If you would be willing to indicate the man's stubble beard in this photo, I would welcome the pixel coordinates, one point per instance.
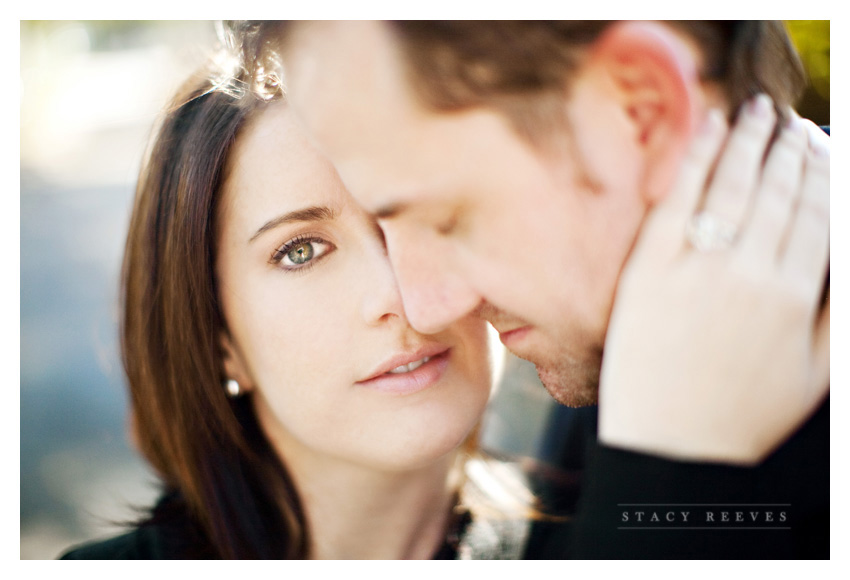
(572, 383)
(571, 380)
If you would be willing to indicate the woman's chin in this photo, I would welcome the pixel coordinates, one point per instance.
(433, 450)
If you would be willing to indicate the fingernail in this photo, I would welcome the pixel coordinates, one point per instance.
(761, 106)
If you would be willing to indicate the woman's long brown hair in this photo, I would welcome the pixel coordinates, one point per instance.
(206, 447)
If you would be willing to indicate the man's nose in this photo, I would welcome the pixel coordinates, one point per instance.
(435, 292)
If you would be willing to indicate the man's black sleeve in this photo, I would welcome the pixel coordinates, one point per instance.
(637, 506)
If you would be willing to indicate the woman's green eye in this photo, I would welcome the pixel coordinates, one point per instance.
(301, 253)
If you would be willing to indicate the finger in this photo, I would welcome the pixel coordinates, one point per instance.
(735, 179)
(666, 222)
(777, 193)
(806, 252)
(818, 139)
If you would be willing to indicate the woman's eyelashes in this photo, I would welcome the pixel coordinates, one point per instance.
(301, 253)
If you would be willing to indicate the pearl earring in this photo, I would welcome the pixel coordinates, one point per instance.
(232, 388)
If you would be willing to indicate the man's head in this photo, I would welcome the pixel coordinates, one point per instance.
(511, 164)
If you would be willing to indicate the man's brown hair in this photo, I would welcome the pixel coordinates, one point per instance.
(523, 68)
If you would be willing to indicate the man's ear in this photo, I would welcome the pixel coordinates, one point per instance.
(654, 73)
(234, 362)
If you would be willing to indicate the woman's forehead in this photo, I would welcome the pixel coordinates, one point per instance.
(274, 170)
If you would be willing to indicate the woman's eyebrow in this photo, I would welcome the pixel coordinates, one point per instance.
(307, 214)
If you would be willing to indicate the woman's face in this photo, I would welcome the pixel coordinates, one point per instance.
(316, 325)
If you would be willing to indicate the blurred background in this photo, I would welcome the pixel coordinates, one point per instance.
(90, 92)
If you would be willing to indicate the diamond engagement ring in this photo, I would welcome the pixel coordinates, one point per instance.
(707, 232)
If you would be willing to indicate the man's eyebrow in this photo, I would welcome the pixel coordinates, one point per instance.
(389, 211)
(307, 214)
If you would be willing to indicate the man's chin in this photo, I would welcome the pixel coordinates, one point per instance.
(571, 386)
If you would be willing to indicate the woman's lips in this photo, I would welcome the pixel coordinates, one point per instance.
(420, 378)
